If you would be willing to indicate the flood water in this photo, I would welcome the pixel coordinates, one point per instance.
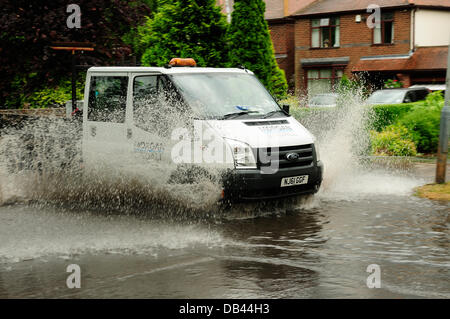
(319, 248)
(135, 240)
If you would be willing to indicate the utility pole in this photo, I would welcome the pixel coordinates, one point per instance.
(73, 47)
(441, 164)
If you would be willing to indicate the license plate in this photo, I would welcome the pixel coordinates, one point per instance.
(294, 180)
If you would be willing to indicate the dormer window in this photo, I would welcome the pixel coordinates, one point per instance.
(325, 33)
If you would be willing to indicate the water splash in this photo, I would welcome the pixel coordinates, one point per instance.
(343, 140)
(40, 161)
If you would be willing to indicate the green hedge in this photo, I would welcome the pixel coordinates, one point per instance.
(423, 122)
(302, 112)
(388, 114)
(420, 119)
(381, 116)
(45, 96)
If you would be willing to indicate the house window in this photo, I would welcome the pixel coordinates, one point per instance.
(325, 33)
(322, 80)
(383, 33)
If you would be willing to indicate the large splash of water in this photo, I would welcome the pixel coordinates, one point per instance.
(40, 161)
(344, 142)
(53, 175)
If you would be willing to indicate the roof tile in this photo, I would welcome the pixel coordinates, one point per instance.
(330, 6)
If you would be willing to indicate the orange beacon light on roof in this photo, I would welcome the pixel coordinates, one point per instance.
(182, 62)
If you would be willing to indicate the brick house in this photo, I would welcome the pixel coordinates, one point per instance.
(332, 38)
(282, 32)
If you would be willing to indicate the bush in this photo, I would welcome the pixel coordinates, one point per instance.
(388, 114)
(423, 122)
(185, 29)
(347, 86)
(394, 140)
(381, 116)
(28, 29)
(46, 96)
(300, 113)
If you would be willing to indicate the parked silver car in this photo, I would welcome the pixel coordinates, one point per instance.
(323, 100)
(397, 96)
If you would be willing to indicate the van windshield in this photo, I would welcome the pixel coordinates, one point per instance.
(218, 95)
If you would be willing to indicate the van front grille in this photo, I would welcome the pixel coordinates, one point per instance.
(286, 156)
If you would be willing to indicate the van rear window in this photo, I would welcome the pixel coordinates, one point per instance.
(107, 99)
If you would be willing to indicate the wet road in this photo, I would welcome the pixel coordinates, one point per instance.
(315, 249)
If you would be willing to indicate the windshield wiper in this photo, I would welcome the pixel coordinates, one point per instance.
(236, 114)
(272, 113)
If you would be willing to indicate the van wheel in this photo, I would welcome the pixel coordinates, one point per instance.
(187, 174)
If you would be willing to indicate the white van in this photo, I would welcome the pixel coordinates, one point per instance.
(172, 118)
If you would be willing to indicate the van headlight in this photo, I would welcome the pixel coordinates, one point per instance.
(242, 154)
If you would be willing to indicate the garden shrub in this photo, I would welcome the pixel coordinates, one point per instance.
(397, 129)
(388, 114)
(394, 140)
(300, 113)
(47, 96)
(423, 122)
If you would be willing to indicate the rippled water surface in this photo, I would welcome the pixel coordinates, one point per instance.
(320, 248)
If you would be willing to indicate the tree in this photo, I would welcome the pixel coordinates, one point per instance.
(250, 45)
(28, 28)
(185, 28)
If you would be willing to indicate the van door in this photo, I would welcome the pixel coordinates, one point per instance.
(104, 123)
(155, 106)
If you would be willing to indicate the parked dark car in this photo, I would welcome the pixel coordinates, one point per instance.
(396, 96)
(431, 87)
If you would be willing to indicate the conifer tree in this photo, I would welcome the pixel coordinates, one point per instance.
(185, 28)
(250, 45)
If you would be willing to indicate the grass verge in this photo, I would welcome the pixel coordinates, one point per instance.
(434, 191)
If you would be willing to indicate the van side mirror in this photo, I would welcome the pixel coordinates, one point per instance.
(285, 108)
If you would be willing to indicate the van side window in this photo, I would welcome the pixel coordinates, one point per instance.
(145, 88)
(145, 97)
(154, 101)
(107, 99)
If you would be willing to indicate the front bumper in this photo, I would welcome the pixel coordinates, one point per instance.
(251, 184)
